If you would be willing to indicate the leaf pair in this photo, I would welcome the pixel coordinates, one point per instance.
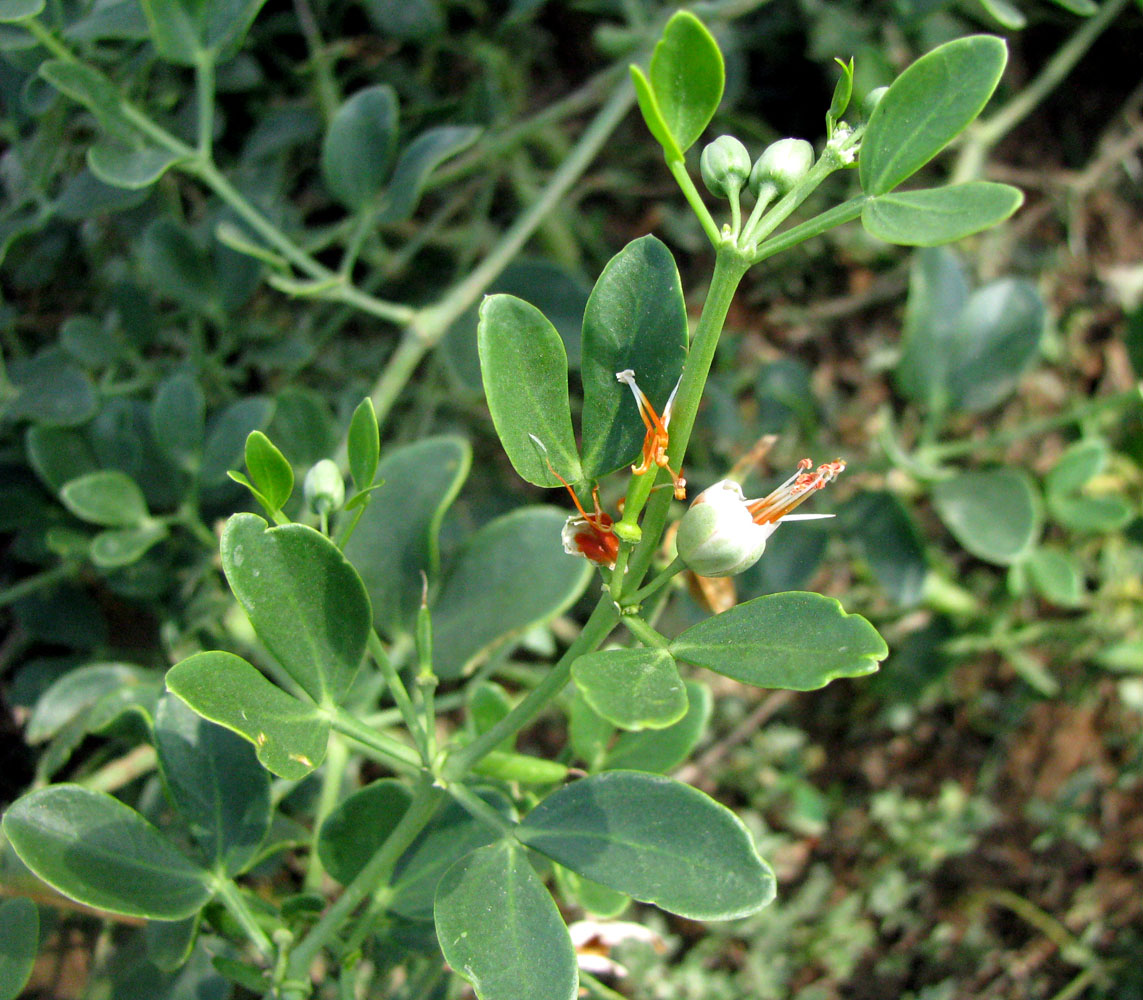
(924, 109)
(646, 836)
(635, 318)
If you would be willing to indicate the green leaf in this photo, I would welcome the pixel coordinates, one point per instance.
(995, 514)
(932, 216)
(358, 147)
(687, 78)
(662, 750)
(76, 692)
(19, 10)
(270, 471)
(406, 20)
(636, 318)
(178, 419)
(179, 267)
(132, 167)
(304, 599)
(396, 538)
(1091, 514)
(653, 115)
(511, 576)
(363, 444)
(1081, 8)
(53, 392)
(1057, 576)
(1122, 657)
(926, 107)
(58, 454)
(96, 92)
(938, 291)
(90, 341)
(889, 541)
(450, 835)
(525, 372)
(169, 942)
(118, 547)
(357, 827)
(842, 92)
(416, 164)
(1077, 466)
(499, 928)
(973, 360)
(589, 733)
(98, 851)
(107, 497)
(632, 688)
(226, 436)
(215, 781)
(1006, 14)
(186, 31)
(19, 942)
(794, 641)
(289, 736)
(595, 898)
(657, 840)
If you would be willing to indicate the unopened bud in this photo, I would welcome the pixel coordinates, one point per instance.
(324, 488)
(717, 535)
(782, 164)
(725, 166)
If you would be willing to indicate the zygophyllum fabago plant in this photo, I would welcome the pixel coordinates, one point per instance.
(463, 836)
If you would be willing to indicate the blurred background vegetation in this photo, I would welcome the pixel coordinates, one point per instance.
(968, 824)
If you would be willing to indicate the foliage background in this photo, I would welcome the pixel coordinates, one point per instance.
(965, 826)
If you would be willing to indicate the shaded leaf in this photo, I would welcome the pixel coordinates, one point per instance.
(933, 216)
(995, 513)
(634, 688)
(358, 147)
(415, 165)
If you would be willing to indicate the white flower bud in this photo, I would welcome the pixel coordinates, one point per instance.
(324, 487)
(717, 535)
(782, 164)
(725, 166)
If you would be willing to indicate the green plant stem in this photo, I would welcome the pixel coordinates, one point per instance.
(230, 897)
(428, 325)
(836, 216)
(657, 584)
(38, 581)
(400, 696)
(425, 801)
(48, 40)
(985, 133)
(595, 630)
(332, 779)
(645, 633)
(480, 810)
(827, 163)
(397, 755)
(1076, 414)
(204, 99)
(729, 267)
(328, 95)
(678, 169)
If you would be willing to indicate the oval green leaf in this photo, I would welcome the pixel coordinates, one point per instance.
(270, 472)
(94, 849)
(632, 688)
(19, 942)
(995, 513)
(524, 368)
(131, 167)
(117, 547)
(636, 318)
(396, 538)
(358, 147)
(215, 781)
(289, 736)
(304, 599)
(933, 216)
(363, 444)
(662, 750)
(19, 10)
(186, 31)
(657, 840)
(108, 498)
(926, 107)
(687, 76)
(1057, 576)
(795, 641)
(513, 574)
(357, 827)
(500, 929)
(178, 419)
(1077, 466)
(889, 542)
(415, 165)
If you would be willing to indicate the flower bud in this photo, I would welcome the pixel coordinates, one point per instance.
(324, 488)
(717, 535)
(782, 164)
(872, 99)
(725, 166)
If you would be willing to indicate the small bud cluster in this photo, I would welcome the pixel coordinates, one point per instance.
(726, 168)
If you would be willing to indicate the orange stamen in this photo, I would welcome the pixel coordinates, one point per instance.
(657, 438)
(777, 504)
(598, 543)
